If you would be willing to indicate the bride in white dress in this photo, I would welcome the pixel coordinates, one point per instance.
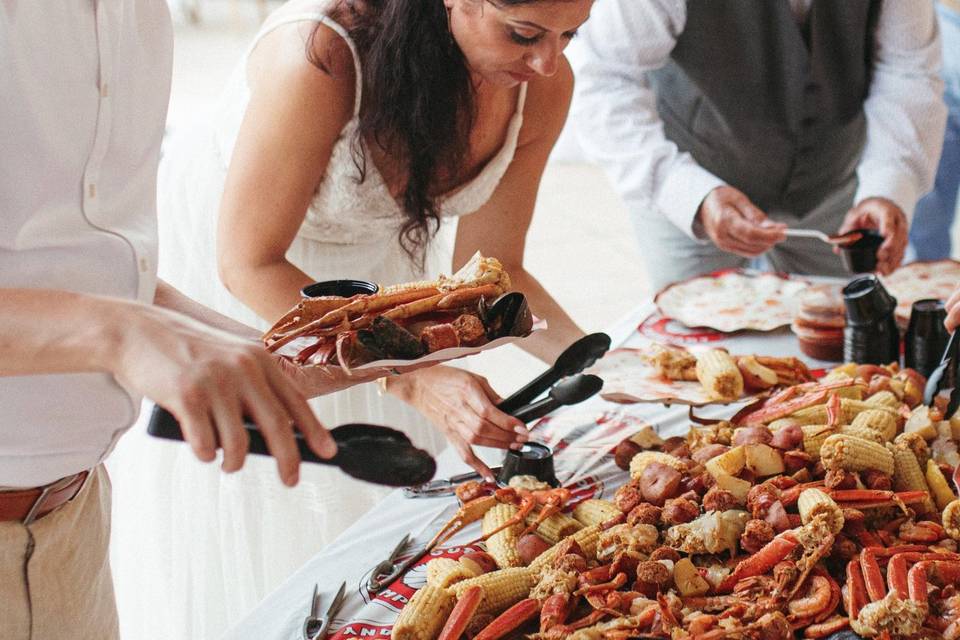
(330, 145)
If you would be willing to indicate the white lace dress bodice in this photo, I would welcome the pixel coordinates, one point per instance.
(219, 543)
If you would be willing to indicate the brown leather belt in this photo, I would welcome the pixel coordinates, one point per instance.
(28, 505)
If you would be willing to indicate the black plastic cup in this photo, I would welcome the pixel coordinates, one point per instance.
(531, 459)
(926, 336)
(861, 256)
(871, 335)
(342, 288)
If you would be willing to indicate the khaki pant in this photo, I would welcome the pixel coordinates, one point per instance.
(55, 574)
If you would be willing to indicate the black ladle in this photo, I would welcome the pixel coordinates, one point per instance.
(574, 359)
(368, 452)
(939, 377)
(573, 390)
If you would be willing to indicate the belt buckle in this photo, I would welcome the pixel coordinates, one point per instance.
(31, 516)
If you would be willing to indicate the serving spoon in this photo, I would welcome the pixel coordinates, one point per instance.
(368, 452)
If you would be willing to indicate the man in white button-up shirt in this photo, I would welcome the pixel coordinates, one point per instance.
(85, 328)
(721, 122)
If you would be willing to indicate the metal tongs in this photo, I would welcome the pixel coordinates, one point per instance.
(941, 377)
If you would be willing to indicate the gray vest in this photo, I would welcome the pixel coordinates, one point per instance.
(771, 108)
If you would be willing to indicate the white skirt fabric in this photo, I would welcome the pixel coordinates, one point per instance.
(193, 549)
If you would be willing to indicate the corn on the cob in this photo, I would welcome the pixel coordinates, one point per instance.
(814, 436)
(719, 375)
(556, 527)
(587, 538)
(501, 589)
(853, 454)
(951, 520)
(845, 371)
(884, 399)
(779, 423)
(815, 503)
(594, 511)
(917, 444)
(640, 461)
(424, 615)
(817, 414)
(864, 433)
(880, 420)
(939, 488)
(503, 545)
(907, 475)
(443, 572)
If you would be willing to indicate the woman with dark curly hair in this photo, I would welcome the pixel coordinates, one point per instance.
(386, 140)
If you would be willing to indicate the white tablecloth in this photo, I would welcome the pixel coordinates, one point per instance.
(583, 438)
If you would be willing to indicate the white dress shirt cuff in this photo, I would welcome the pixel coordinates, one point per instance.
(680, 195)
(890, 183)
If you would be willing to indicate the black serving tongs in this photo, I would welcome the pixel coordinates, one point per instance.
(574, 359)
(373, 453)
(942, 376)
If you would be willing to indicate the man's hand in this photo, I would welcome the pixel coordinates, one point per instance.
(209, 380)
(953, 310)
(736, 225)
(890, 221)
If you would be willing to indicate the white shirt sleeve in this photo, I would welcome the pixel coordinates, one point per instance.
(616, 113)
(905, 112)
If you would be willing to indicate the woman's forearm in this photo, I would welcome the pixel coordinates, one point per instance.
(171, 298)
(270, 290)
(561, 329)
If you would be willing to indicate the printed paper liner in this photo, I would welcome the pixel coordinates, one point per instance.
(732, 300)
(920, 280)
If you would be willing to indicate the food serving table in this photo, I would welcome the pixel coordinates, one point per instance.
(583, 438)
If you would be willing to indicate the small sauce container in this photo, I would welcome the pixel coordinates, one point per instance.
(819, 322)
(861, 256)
(532, 459)
(341, 288)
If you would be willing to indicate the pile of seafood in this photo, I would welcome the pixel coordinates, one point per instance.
(404, 321)
(823, 507)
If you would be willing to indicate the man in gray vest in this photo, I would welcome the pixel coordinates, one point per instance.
(723, 122)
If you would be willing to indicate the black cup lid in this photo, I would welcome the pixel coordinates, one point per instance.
(866, 300)
(342, 288)
(532, 459)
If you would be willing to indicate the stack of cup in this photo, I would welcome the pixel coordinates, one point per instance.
(819, 322)
(926, 336)
(871, 335)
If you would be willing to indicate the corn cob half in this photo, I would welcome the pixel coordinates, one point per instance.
(556, 527)
(907, 475)
(884, 399)
(594, 512)
(939, 487)
(587, 538)
(814, 435)
(442, 572)
(501, 589)
(864, 433)
(815, 503)
(424, 615)
(719, 375)
(502, 545)
(853, 454)
(640, 461)
(880, 420)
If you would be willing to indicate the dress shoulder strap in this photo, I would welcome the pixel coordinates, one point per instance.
(317, 15)
(522, 98)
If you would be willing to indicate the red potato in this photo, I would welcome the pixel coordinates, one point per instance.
(624, 453)
(787, 437)
(530, 546)
(705, 453)
(659, 483)
(752, 435)
(479, 562)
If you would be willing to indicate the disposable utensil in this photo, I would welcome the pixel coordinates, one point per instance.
(939, 377)
(574, 359)
(387, 566)
(315, 626)
(572, 390)
(373, 453)
(838, 239)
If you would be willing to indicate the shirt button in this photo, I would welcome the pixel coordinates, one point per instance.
(143, 265)
(105, 90)
(91, 190)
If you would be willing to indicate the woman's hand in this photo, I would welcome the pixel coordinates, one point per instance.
(953, 310)
(462, 405)
(890, 221)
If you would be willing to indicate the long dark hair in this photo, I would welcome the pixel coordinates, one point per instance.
(418, 101)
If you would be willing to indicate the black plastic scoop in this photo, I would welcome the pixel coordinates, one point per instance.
(572, 390)
(368, 452)
(574, 359)
(941, 377)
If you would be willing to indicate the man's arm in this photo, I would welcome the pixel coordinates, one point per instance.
(904, 108)
(615, 108)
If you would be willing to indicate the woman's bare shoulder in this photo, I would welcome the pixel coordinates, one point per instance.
(547, 103)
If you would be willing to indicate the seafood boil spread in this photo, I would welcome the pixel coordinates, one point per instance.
(404, 322)
(825, 506)
(670, 374)
(732, 300)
